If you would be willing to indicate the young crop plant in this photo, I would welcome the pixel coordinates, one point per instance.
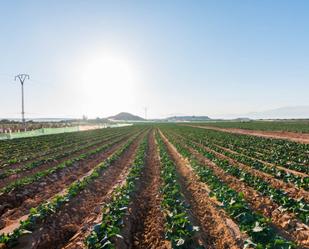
(292, 126)
(42, 211)
(178, 228)
(299, 207)
(24, 149)
(21, 150)
(257, 227)
(289, 154)
(68, 163)
(105, 234)
(300, 182)
(55, 156)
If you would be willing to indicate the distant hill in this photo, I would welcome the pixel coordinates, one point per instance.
(187, 118)
(125, 116)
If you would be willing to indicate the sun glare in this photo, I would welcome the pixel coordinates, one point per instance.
(108, 79)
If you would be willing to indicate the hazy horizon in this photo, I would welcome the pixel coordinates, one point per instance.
(292, 112)
(99, 58)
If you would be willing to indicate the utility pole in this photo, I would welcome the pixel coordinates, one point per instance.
(22, 78)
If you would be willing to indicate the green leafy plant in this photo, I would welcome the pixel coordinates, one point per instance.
(104, 234)
(261, 234)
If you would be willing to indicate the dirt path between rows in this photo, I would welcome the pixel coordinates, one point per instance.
(58, 228)
(18, 202)
(147, 221)
(292, 228)
(220, 230)
(292, 136)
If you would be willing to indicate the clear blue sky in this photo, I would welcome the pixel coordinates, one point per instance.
(185, 57)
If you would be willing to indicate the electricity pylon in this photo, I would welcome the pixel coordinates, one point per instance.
(22, 78)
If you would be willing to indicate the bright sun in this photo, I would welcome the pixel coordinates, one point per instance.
(108, 80)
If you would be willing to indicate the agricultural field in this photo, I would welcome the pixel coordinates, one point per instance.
(154, 186)
(297, 131)
(300, 126)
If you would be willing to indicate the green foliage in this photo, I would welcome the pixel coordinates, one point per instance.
(261, 234)
(299, 207)
(103, 235)
(281, 152)
(61, 152)
(68, 163)
(301, 126)
(20, 150)
(45, 209)
(178, 228)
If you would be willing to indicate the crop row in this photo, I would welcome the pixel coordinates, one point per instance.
(298, 181)
(105, 233)
(18, 150)
(179, 229)
(67, 163)
(292, 126)
(57, 156)
(299, 207)
(43, 210)
(289, 154)
(256, 226)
